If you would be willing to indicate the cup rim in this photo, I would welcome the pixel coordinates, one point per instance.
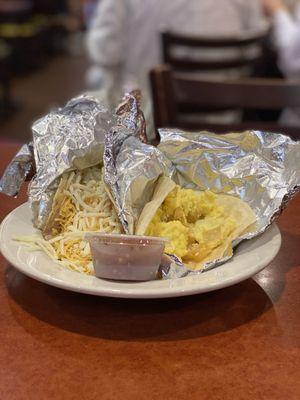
(123, 239)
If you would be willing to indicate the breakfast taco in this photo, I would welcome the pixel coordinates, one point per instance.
(81, 205)
(200, 225)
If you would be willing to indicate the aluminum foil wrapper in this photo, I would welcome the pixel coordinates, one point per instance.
(130, 115)
(19, 169)
(132, 168)
(68, 138)
(261, 168)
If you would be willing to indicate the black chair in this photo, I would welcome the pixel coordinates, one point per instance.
(175, 96)
(241, 58)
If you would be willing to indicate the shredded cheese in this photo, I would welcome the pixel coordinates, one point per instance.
(86, 208)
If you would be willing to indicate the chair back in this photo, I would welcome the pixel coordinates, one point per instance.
(176, 97)
(242, 57)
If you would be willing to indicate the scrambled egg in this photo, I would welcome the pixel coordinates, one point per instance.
(193, 222)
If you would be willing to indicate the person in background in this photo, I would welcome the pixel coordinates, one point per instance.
(124, 38)
(89, 7)
(286, 33)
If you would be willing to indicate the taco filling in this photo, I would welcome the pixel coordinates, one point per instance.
(200, 225)
(80, 205)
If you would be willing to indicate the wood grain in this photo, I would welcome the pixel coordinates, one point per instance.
(242, 342)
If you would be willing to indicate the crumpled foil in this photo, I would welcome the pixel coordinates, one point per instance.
(130, 115)
(68, 138)
(131, 167)
(261, 168)
(17, 171)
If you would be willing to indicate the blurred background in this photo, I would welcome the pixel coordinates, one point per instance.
(42, 61)
(51, 50)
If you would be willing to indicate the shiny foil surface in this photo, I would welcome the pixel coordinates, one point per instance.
(132, 167)
(17, 171)
(68, 138)
(261, 168)
(130, 115)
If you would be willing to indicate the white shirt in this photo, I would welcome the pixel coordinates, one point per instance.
(126, 32)
(124, 38)
(287, 41)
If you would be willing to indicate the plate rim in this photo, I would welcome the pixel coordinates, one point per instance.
(192, 289)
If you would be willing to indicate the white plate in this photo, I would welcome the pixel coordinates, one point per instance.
(250, 257)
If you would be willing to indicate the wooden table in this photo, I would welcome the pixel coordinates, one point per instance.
(241, 342)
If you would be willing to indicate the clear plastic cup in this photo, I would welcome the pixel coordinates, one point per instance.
(126, 257)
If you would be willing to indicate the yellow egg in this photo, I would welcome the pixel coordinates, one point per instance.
(193, 222)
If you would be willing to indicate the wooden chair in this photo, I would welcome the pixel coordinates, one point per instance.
(175, 96)
(243, 58)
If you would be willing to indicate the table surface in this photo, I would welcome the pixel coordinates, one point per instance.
(242, 342)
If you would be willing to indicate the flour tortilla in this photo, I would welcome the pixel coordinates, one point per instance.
(238, 210)
(245, 220)
(164, 186)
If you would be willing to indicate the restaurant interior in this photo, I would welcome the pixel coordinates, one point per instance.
(197, 66)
